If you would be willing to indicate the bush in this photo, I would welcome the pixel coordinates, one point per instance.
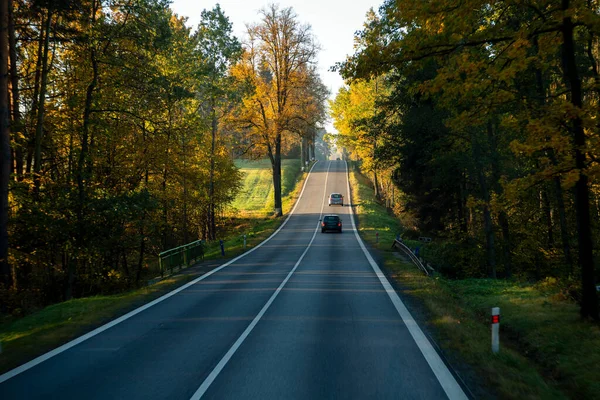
(457, 260)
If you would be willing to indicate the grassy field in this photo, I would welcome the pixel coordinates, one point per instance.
(547, 352)
(256, 197)
(252, 211)
(25, 338)
(247, 217)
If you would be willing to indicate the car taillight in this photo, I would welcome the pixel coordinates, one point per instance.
(339, 224)
(322, 223)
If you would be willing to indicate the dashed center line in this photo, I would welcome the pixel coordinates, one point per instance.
(217, 370)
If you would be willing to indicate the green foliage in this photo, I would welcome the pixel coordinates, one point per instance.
(456, 260)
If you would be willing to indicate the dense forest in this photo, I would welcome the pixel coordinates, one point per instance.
(477, 122)
(120, 125)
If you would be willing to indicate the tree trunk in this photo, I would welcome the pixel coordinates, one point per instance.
(140, 266)
(142, 254)
(39, 127)
(463, 214)
(489, 229)
(589, 299)
(487, 215)
(165, 174)
(184, 222)
(506, 245)
(564, 230)
(547, 210)
(81, 164)
(496, 165)
(375, 184)
(375, 180)
(5, 271)
(313, 154)
(276, 165)
(17, 124)
(303, 157)
(123, 253)
(35, 99)
(212, 226)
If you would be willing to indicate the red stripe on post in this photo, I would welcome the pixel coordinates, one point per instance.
(495, 319)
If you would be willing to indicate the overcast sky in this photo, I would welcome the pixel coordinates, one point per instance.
(333, 24)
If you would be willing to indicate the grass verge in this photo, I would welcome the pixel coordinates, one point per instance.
(547, 352)
(26, 338)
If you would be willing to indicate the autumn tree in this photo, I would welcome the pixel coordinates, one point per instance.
(517, 81)
(274, 67)
(124, 155)
(354, 112)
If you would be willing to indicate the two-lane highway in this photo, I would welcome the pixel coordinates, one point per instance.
(305, 315)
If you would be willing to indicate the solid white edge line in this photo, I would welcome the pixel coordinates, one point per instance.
(443, 375)
(16, 371)
(219, 367)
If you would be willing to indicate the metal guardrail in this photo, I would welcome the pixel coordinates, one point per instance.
(180, 257)
(398, 244)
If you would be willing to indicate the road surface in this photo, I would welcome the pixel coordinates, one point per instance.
(305, 315)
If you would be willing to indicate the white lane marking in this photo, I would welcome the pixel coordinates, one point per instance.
(14, 372)
(217, 370)
(443, 375)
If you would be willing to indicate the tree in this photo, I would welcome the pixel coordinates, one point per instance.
(5, 271)
(124, 155)
(492, 61)
(312, 113)
(217, 50)
(354, 111)
(274, 67)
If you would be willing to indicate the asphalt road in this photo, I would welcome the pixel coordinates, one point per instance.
(307, 315)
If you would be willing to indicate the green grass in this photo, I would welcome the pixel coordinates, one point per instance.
(547, 352)
(256, 196)
(373, 218)
(544, 327)
(258, 226)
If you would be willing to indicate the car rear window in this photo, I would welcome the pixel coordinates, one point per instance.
(332, 218)
(336, 196)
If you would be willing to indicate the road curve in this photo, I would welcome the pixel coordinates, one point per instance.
(307, 315)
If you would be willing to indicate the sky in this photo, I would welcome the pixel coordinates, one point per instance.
(333, 24)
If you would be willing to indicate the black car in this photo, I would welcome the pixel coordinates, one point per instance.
(331, 223)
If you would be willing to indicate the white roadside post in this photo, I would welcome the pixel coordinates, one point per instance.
(244, 240)
(495, 329)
